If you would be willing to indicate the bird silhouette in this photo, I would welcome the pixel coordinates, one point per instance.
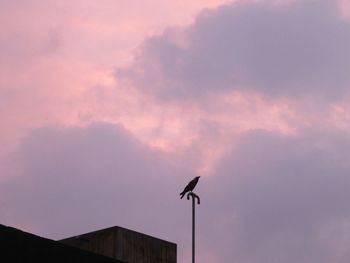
(191, 185)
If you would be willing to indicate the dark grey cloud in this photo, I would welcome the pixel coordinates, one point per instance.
(279, 51)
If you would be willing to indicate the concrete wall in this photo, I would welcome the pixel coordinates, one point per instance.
(126, 245)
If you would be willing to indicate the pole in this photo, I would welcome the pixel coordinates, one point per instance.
(194, 197)
(193, 230)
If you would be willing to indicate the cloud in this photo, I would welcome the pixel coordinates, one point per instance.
(78, 179)
(273, 198)
(281, 199)
(278, 50)
(57, 59)
(278, 196)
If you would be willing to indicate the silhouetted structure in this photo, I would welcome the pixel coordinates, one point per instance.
(21, 247)
(194, 198)
(189, 190)
(126, 245)
(190, 186)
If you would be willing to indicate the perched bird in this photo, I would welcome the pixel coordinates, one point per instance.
(191, 185)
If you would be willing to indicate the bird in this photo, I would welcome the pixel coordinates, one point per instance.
(189, 188)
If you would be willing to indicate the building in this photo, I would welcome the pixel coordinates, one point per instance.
(111, 245)
(21, 247)
(125, 245)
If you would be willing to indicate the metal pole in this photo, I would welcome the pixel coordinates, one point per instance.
(194, 197)
(193, 230)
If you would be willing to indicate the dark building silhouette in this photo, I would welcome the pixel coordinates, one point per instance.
(125, 245)
(111, 245)
(21, 247)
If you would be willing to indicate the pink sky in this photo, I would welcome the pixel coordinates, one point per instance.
(112, 96)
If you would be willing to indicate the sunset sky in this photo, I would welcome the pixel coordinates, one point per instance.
(108, 108)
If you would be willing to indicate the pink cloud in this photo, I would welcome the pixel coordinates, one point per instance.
(63, 77)
(54, 53)
(175, 107)
(345, 8)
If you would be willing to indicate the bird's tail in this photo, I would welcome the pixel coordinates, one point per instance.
(183, 194)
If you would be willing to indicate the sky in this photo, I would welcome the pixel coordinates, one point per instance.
(108, 108)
